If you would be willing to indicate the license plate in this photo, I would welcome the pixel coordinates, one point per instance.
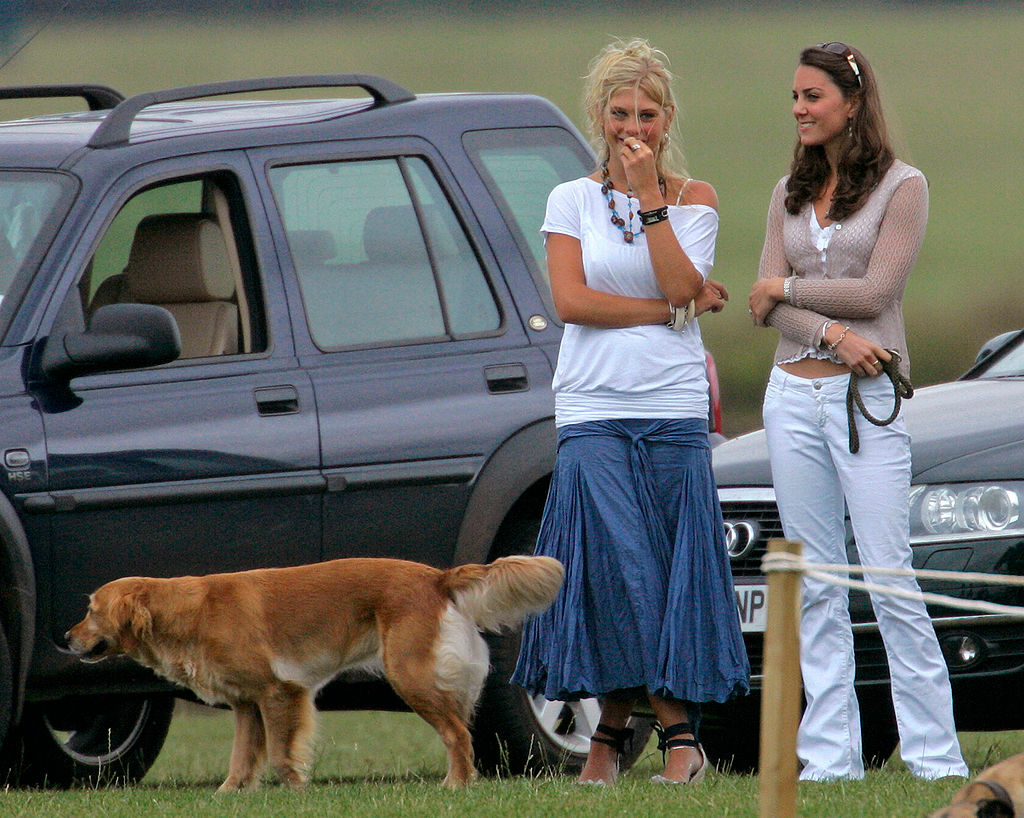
(752, 604)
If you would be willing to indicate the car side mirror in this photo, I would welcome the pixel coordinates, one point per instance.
(120, 336)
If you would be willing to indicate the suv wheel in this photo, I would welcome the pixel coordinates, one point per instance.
(515, 734)
(6, 687)
(89, 741)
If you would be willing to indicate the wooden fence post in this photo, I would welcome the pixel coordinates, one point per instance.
(780, 692)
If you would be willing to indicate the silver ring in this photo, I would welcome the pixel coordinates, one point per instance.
(634, 147)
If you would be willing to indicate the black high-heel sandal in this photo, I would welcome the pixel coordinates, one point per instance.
(614, 737)
(669, 739)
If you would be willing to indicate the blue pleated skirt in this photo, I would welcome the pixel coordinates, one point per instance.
(633, 515)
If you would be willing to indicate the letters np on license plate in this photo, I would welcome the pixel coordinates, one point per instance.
(752, 604)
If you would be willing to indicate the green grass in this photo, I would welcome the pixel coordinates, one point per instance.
(951, 81)
(948, 74)
(391, 764)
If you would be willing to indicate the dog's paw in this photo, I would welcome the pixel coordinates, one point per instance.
(233, 785)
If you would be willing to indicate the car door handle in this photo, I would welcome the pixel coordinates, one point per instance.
(277, 400)
(506, 378)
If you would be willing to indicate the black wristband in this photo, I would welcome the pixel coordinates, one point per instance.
(659, 214)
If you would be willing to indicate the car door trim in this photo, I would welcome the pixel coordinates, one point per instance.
(419, 472)
(152, 494)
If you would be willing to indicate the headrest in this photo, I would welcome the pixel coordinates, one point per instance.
(392, 235)
(311, 247)
(179, 258)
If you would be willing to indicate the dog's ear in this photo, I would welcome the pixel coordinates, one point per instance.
(995, 809)
(129, 612)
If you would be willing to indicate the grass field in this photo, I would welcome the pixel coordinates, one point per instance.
(951, 80)
(949, 76)
(391, 764)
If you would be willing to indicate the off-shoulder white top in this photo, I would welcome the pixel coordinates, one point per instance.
(629, 372)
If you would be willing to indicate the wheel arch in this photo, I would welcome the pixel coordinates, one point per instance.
(513, 479)
(18, 599)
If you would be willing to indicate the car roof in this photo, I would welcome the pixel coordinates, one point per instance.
(61, 134)
(53, 140)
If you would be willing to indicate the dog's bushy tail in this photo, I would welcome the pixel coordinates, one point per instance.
(501, 594)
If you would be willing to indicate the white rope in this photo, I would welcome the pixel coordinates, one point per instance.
(781, 561)
(791, 562)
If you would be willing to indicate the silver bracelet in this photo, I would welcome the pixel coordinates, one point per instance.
(839, 340)
(824, 331)
(787, 289)
(681, 316)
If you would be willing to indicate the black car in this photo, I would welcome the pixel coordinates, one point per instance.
(966, 514)
(243, 332)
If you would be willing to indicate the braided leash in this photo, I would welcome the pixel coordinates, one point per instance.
(901, 388)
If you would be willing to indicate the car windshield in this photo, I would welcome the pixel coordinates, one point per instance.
(1008, 362)
(28, 204)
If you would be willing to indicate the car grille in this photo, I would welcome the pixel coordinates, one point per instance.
(749, 524)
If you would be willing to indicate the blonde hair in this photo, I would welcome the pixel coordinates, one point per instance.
(628, 65)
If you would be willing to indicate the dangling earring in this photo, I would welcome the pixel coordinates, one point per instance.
(665, 140)
(849, 126)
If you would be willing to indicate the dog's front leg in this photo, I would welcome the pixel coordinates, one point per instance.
(288, 718)
(248, 750)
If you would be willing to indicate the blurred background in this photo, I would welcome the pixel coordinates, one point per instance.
(951, 75)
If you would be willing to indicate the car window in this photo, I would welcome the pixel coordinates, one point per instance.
(180, 245)
(29, 204)
(380, 254)
(521, 166)
(1007, 363)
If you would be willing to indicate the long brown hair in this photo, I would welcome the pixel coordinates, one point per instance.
(865, 155)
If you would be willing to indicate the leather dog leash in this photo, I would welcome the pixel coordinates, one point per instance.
(1000, 793)
(901, 388)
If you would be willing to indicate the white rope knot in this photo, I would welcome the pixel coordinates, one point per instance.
(779, 561)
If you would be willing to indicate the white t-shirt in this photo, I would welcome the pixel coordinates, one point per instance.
(633, 372)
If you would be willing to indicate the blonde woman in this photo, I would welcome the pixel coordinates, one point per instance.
(647, 608)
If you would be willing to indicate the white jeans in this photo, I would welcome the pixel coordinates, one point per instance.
(815, 479)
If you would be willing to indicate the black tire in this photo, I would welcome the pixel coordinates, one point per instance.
(731, 733)
(6, 687)
(515, 734)
(88, 741)
(878, 731)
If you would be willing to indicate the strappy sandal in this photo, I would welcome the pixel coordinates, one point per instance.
(668, 740)
(614, 737)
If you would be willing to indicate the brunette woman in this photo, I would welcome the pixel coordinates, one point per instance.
(844, 230)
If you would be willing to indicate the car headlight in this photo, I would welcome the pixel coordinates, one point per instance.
(966, 510)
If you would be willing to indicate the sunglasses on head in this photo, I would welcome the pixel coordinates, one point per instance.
(843, 50)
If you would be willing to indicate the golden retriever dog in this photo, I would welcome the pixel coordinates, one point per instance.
(996, 792)
(264, 641)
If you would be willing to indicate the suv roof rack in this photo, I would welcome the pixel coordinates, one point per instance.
(115, 129)
(97, 97)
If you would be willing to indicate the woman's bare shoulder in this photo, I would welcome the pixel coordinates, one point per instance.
(697, 192)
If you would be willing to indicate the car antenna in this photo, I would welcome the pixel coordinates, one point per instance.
(36, 33)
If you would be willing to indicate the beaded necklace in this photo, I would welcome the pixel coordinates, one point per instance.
(606, 188)
(628, 234)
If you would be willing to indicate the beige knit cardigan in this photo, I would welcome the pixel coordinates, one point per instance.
(869, 258)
